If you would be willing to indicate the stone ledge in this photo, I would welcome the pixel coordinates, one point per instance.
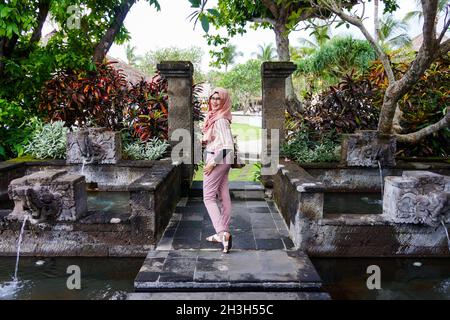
(175, 69)
(220, 295)
(277, 69)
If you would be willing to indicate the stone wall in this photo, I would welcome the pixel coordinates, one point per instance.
(8, 172)
(153, 197)
(349, 235)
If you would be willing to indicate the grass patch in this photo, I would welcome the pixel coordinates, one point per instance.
(246, 132)
(25, 158)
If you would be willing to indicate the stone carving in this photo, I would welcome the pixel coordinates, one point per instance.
(39, 202)
(366, 148)
(418, 197)
(51, 195)
(94, 145)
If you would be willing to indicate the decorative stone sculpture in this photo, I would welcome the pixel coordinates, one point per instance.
(367, 148)
(418, 197)
(51, 195)
(94, 145)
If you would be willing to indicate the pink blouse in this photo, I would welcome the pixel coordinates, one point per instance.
(223, 136)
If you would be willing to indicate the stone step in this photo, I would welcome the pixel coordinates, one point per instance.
(214, 271)
(224, 295)
(238, 189)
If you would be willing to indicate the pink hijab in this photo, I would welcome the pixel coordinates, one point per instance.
(224, 111)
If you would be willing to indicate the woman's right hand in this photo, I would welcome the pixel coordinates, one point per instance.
(209, 167)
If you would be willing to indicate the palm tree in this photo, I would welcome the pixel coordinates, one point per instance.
(230, 54)
(419, 14)
(393, 33)
(266, 52)
(320, 34)
(131, 55)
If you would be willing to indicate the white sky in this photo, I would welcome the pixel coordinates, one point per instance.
(150, 29)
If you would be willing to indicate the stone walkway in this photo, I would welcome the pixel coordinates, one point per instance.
(263, 257)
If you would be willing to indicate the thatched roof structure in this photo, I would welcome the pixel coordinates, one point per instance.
(131, 73)
(418, 40)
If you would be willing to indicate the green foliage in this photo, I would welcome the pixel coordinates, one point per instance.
(16, 126)
(48, 141)
(332, 61)
(234, 15)
(266, 52)
(256, 174)
(424, 104)
(306, 146)
(153, 149)
(225, 57)
(391, 36)
(243, 81)
(194, 54)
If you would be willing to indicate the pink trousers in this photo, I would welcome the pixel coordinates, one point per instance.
(216, 183)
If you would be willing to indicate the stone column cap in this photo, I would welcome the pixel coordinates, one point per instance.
(175, 69)
(281, 69)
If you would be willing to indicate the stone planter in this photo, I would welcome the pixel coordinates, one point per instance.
(49, 195)
(417, 197)
(368, 148)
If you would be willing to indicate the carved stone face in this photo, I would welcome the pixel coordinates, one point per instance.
(41, 203)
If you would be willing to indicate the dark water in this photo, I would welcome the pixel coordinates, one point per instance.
(346, 278)
(109, 202)
(101, 278)
(352, 203)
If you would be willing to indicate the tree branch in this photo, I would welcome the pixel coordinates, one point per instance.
(272, 7)
(429, 9)
(120, 13)
(445, 28)
(264, 20)
(416, 136)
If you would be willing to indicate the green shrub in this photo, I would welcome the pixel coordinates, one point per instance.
(304, 148)
(256, 175)
(153, 149)
(48, 141)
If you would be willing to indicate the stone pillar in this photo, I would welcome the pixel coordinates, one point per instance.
(273, 75)
(179, 77)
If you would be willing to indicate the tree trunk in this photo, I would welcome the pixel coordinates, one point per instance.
(293, 105)
(376, 20)
(44, 7)
(106, 42)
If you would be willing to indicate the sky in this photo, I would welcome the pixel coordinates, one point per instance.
(150, 29)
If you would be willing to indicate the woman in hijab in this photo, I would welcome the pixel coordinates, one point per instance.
(219, 157)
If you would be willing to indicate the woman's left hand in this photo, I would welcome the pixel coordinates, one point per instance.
(209, 167)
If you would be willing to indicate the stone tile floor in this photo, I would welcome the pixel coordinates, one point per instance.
(263, 257)
(255, 225)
